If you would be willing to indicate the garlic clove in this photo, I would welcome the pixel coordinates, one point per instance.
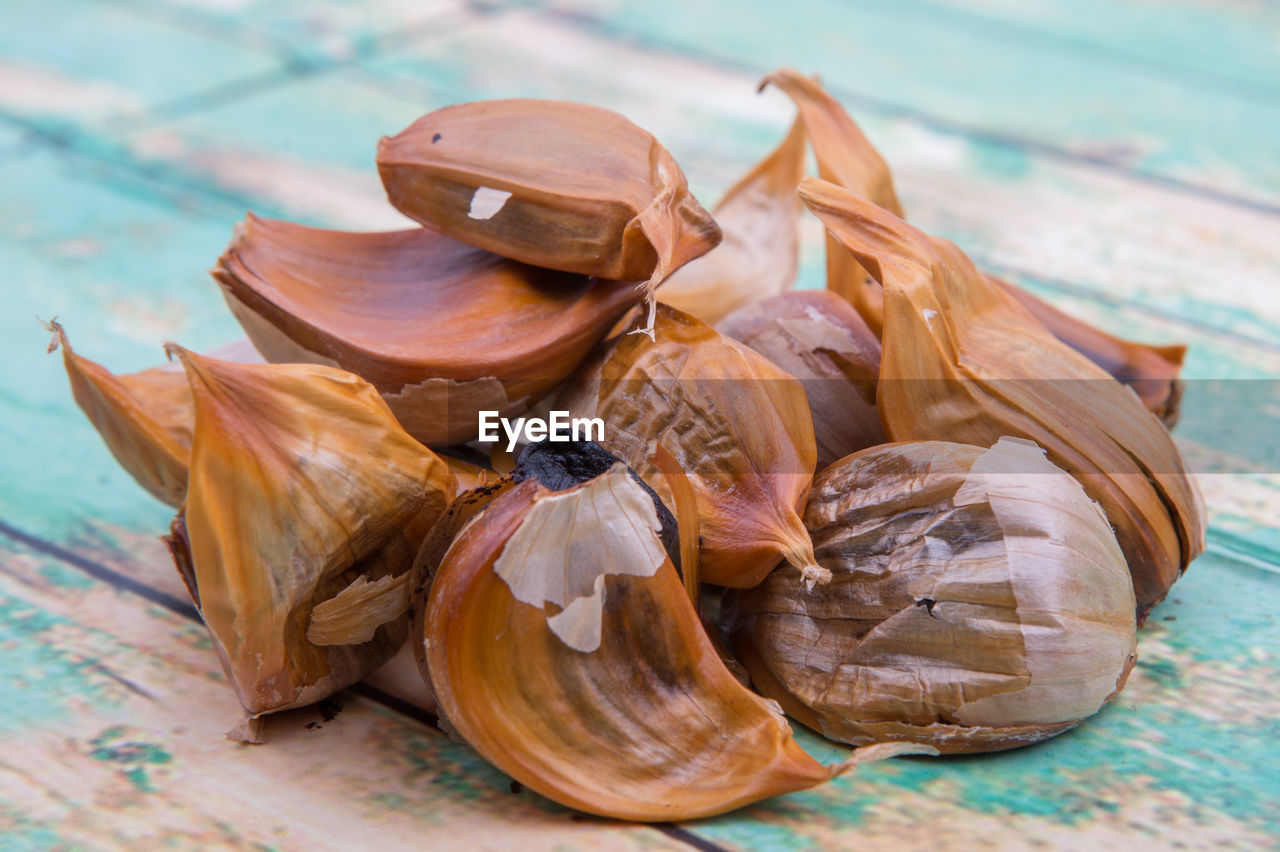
(443, 330)
(818, 337)
(144, 418)
(964, 361)
(562, 646)
(305, 507)
(554, 184)
(760, 217)
(979, 601)
(738, 426)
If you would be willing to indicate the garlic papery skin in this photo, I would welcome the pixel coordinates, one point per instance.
(978, 601)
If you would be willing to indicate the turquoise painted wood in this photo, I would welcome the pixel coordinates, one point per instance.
(1118, 159)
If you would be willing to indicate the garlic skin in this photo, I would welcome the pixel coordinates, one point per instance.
(964, 361)
(817, 336)
(1152, 371)
(306, 504)
(736, 424)
(760, 218)
(562, 646)
(144, 418)
(847, 158)
(978, 601)
(554, 184)
(443, 330)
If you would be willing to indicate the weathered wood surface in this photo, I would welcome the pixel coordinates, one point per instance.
(1118, 158)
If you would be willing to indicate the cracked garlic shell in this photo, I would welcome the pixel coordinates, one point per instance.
(305, 506)
(978, 601)
(563, 647)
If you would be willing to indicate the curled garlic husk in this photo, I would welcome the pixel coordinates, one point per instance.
(1152, 371)
(562, 646)
(555, 184)
(817, 336)
(978, 601)
(738, 426)
(144, 418)
(305, 507)
(846, 158)
(964, 361)
(443, 330)
(760, 218)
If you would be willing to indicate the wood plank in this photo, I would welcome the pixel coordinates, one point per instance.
(1206, 44)
(121, 708)
(899, 62)
(124, 701)
(61, 62)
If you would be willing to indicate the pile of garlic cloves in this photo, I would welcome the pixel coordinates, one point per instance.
(919, 512)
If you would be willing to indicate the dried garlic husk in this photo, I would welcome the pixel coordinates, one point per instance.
(144, 418)
(555, 184)
(760, 218)
(561, 645)
(305, 507)
(845, 157)
(441, 329)
(736, 424)
(964, 361)
(978, 601)
(1152, 371)
(820, 339)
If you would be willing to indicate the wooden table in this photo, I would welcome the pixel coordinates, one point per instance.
(1120, 158)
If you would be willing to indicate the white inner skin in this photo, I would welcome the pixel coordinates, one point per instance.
(487, 202)
(571, 540)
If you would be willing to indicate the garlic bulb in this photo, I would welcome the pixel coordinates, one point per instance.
(978, 601)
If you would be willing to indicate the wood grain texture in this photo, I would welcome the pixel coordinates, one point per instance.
(1115, 158)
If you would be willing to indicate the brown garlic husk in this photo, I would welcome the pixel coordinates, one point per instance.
(562, 646)
(846, 158)
(306, 504)
(551, 183)
(1152, 371)
(760, 218)
(144, 418)
(978, 601)
(738, 426)
(964, 361)
(443, 330)
(817, 336)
